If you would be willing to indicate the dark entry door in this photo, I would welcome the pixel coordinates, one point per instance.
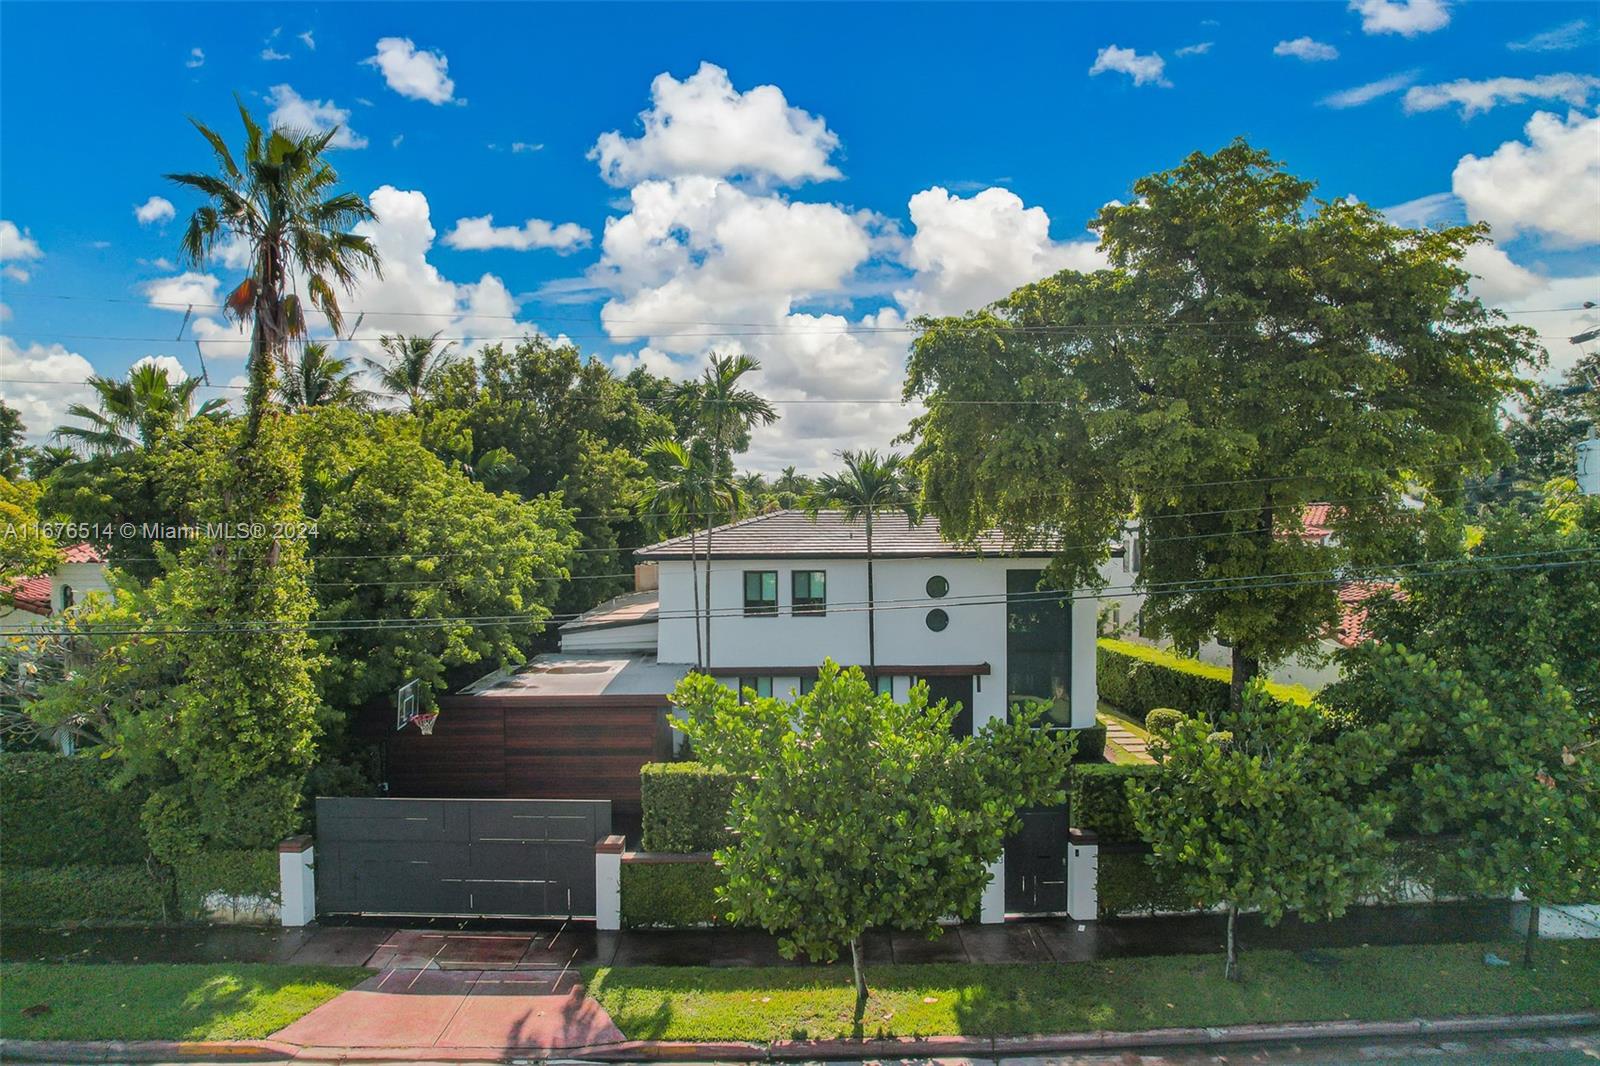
(955, 690)
(491, 858)
(1036, 863)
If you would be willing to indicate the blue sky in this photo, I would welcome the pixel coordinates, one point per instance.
(801, 179)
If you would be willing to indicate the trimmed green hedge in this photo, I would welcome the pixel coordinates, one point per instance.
(685, 806)
(671, 895)
(1091, 743)
(242, 875)
(1137, 678)
(60, 810)
(1098, 798)
(1129, 884)
(51, 895)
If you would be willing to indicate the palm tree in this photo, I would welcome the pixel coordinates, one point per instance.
(414, 366)
(673, 498)
(727, 412)
(317, 379)
(134, 412)
(790, 487)
(868, 485)
(281, 203)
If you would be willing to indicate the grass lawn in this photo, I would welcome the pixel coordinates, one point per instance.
(212, 1001)
(695, 1003)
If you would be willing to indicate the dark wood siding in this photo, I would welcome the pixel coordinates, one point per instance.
(503, 747)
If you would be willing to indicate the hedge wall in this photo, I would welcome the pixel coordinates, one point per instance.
(1098, 798)
(50, 895)
(671, 895)
(1136, 678)
(685, 806)
(61, 811)
(1091, 743)
(1129, 884)
(242, 875)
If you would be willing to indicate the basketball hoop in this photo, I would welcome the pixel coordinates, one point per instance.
(425, 722)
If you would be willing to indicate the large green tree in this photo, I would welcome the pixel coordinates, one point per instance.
(1479, 668)
(856, 812)
(453, 574)
(414, 367)
(133, 413)
(279, 199)
(1248, 351)
(1270, 815)
(319, 379)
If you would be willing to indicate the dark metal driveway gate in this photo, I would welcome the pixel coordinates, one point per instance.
(479, 857)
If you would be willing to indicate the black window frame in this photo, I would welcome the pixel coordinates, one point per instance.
(760, 608)
(755, 684)
(811, 606)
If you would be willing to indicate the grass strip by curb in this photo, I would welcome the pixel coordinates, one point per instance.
(1365, 984)
(211, 1001)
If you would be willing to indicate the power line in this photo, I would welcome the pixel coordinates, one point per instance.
(1451, 569)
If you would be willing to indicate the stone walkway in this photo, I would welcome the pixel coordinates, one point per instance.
(1119, 734)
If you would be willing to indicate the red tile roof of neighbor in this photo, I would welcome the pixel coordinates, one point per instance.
(1353, 608)
(1314, 520)
(83, 553)
(33, 594)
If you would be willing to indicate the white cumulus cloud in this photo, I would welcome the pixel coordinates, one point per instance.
(16, 244)
(1143, 69)
(482, 234)
(40, 381)
(970, 252)
(1548, 184)
(1312, 51)
(156, 209)
(1475, 97)
(291, 109)
(1408, 18)
(197, 58)
(176, 293)
(413, 73)
(703, 126)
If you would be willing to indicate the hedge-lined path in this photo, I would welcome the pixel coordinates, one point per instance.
(1119, 734)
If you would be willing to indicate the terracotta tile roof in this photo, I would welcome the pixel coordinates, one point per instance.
(1314, 519)
(82, 553)
(31, 594)
(797, 534)
(1353, 610)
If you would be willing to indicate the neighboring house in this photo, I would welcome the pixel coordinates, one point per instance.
(1312, 669)
(29, 602)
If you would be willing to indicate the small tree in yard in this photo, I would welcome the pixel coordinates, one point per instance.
(1266, 816)
(858, 812)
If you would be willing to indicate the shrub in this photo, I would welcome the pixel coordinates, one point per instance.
(243, 876)
(1162, 720)
(61, 810)
(685, 806)
(671, 895)
(1130, 884)
(1098, 798)
(94, 894)
(1137, 678)
(1091, 743)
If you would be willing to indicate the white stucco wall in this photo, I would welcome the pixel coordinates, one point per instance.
(83, 578)
(976, 633)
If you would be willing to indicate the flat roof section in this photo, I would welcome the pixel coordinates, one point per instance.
(559, 676)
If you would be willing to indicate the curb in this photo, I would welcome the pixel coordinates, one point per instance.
(789, 1050)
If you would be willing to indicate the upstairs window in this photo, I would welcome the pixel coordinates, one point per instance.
(761, 686)
(810, 588)
(760, 592)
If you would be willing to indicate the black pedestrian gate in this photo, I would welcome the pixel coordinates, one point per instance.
(497, 858)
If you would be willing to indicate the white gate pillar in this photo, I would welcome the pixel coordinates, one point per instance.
(608, 883)
(1083, 875)
(992, 905)
(297, 882)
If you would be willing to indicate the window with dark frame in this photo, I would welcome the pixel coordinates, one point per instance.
(761, 685)
(810, 591)
(760, 592)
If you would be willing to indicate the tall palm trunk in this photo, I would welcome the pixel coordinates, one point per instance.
(872, 618)
(694, 585)
(710, 521)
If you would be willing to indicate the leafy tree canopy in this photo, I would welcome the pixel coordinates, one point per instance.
(858, 812)
(1249, 351)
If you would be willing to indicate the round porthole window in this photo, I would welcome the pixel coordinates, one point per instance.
(938, 588)
(937, 620)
